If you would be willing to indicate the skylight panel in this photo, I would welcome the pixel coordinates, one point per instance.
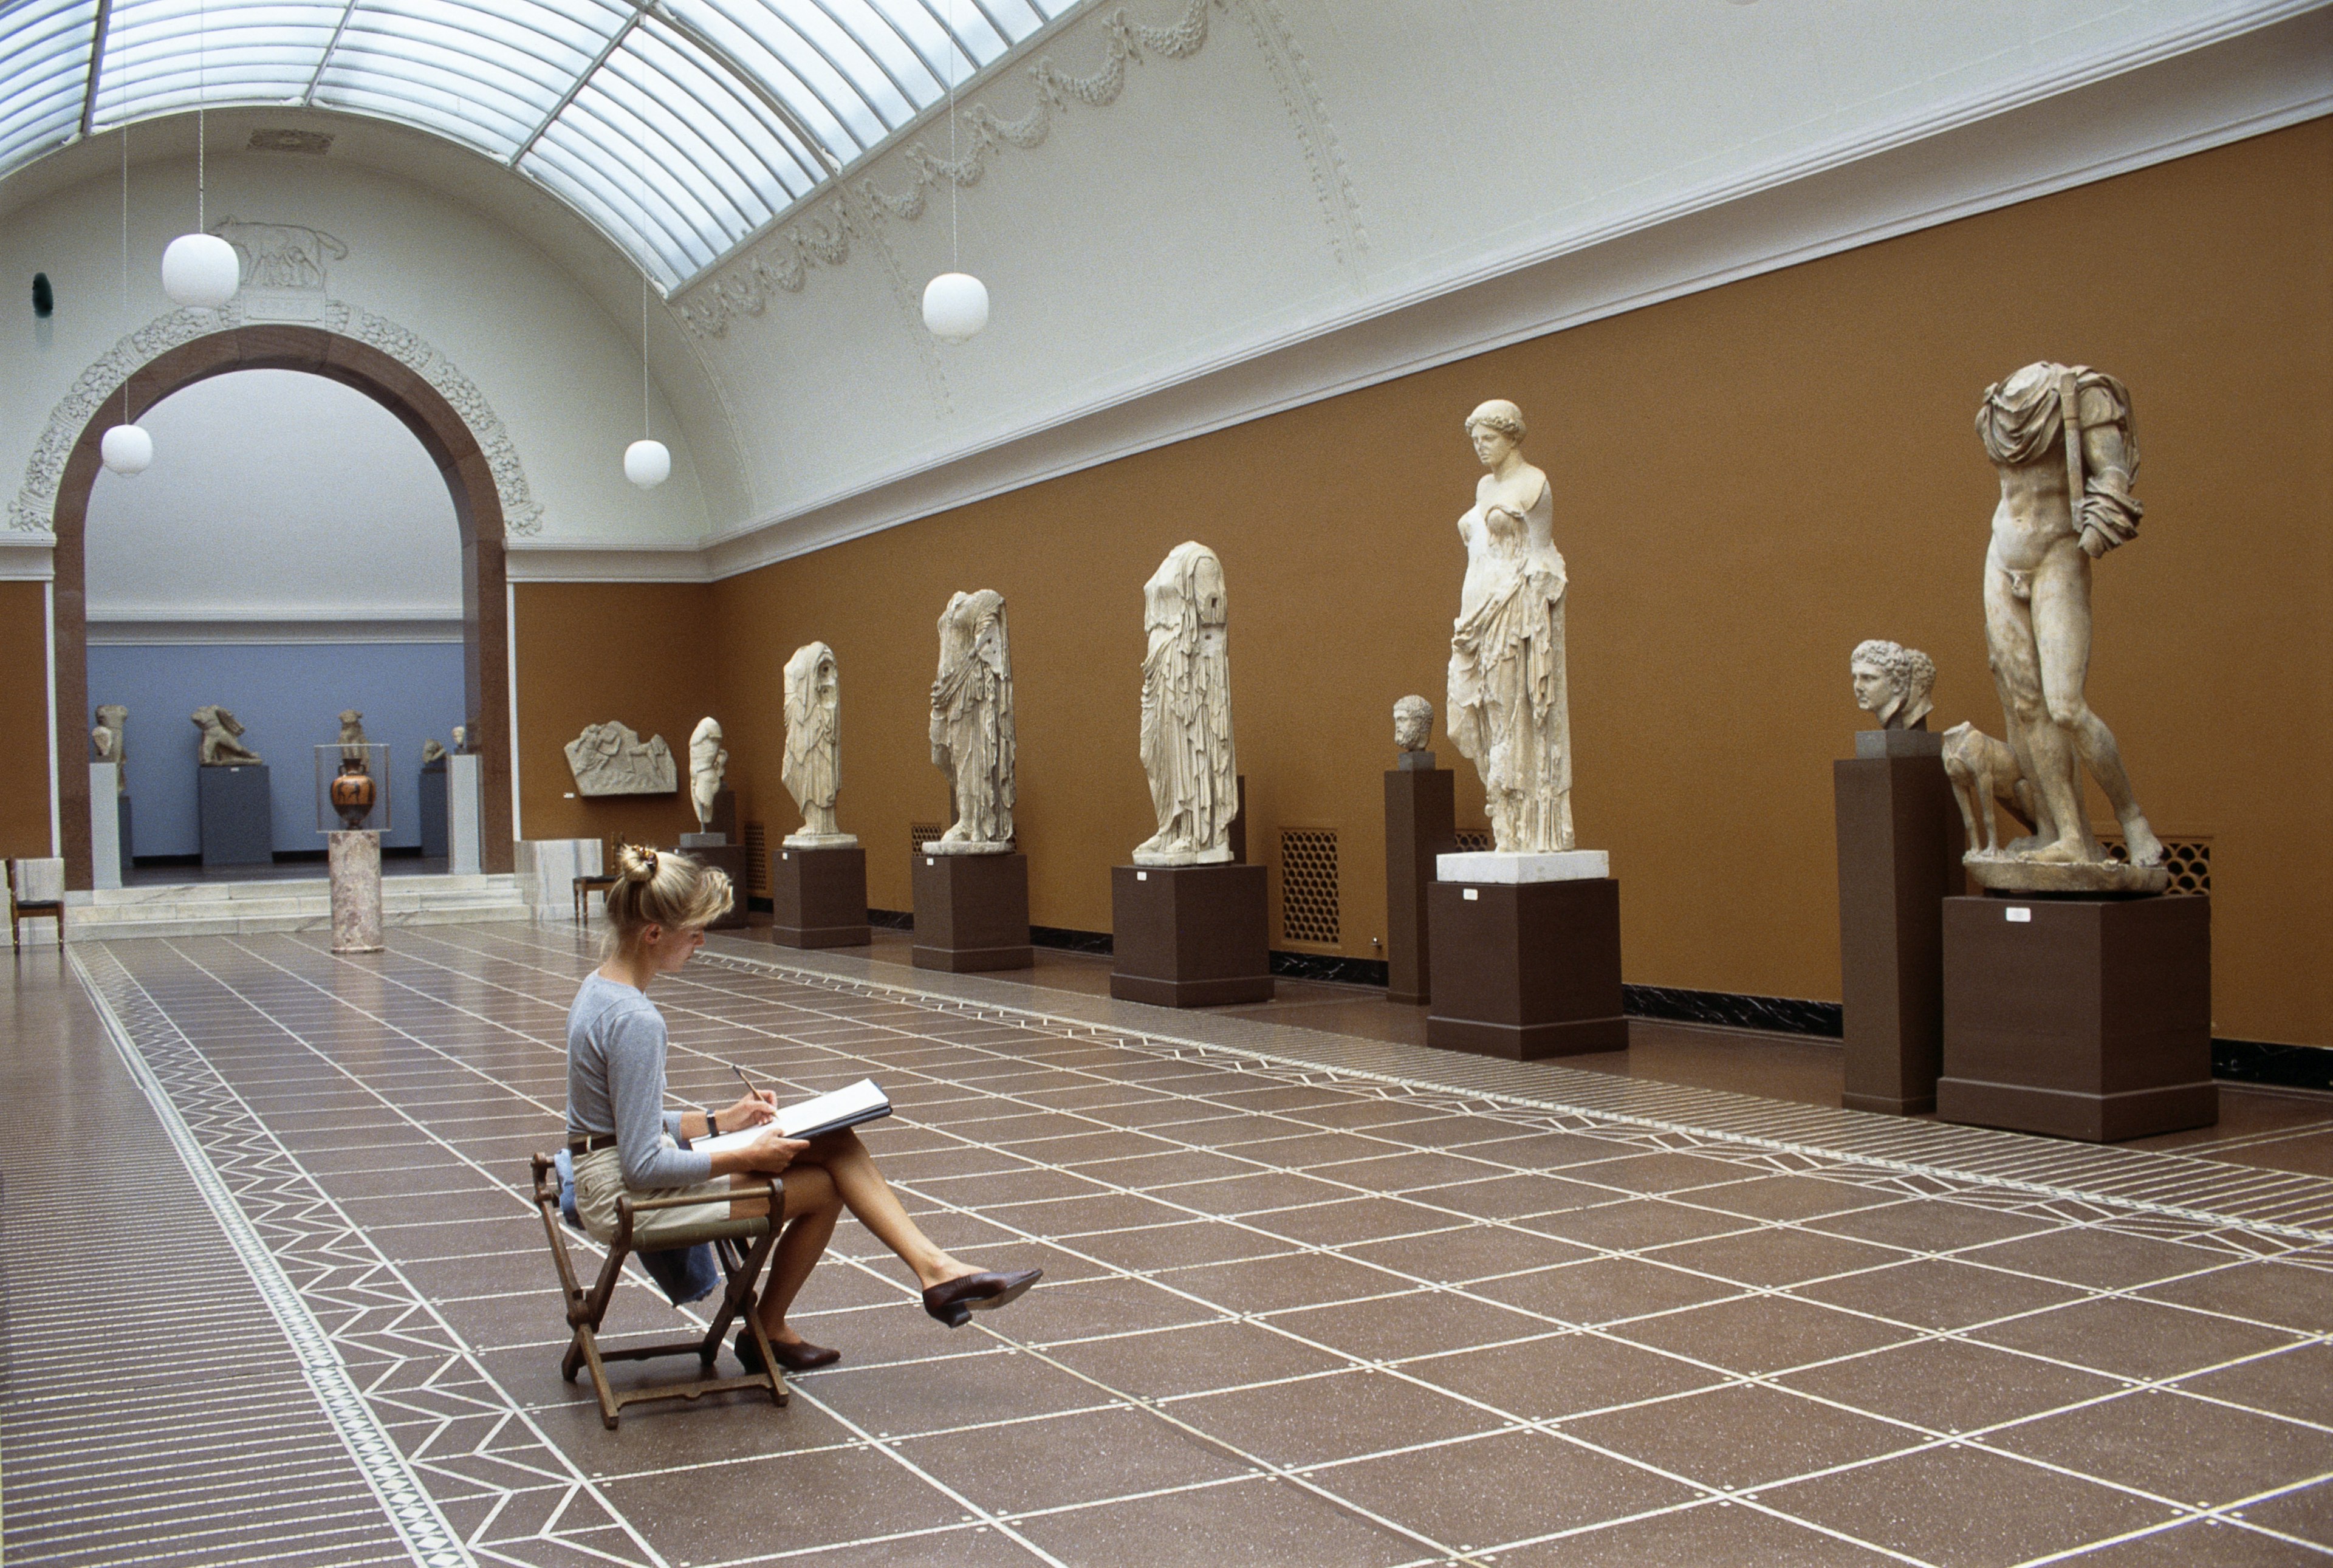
(44, 75)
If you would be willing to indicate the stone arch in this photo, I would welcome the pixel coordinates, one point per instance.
(389, 365)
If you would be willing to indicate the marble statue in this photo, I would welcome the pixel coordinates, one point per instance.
(1892, 683)
(111, 738)
(1186, 712)
(813, 769)
(972, 725)
(611, 759)
(1413, 726)
(709, 760)
(1510, 707)
(2061, 438)
(432, 751)
(1984, 775)
(352, 740)
(220, 748)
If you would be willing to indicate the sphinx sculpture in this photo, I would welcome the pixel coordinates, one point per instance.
(1186, 712)
(1892, 683)
(2061, 438)
(709, 761)
(972, 725)
(1509, 705)
(220, 746)
(110, 739)
(611, 759)
(432, 751)
(812, 770)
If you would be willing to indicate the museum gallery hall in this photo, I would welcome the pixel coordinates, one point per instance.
(1098, 782)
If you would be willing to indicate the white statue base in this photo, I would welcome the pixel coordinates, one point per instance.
(1564, 866)
(821, 840)
(705, 840)
(965, 847)
(355, 866)
(2006, 874)
(1183, 856)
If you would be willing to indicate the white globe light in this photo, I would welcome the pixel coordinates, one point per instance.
(647, 464)
(200, 269)
(956, 306)
(127, 449)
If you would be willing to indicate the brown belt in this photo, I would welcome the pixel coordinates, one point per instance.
(592, 1144)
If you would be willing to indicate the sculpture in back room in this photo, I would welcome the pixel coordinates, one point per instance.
(111, 738)
(432, 751)
(972, 725)
(611, 759)
(2062, 439)
(812, 771)
(1892, 683)
(1186, 711)
(709, 760)
(352, 792)
(1510, 707)
(220, 747)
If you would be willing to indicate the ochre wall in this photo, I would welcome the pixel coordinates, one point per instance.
(24, 715)
(1749, 481)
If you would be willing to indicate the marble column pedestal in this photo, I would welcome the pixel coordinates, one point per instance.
(1421, 825)
(1526, 969)
(1189, 936)
(817, 898)
(1899, 855)
(355, 858)
(972, 913)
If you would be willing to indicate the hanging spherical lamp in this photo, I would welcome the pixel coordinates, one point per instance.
(647, 463)
(127, 449)
(200, 271)
(956, 306)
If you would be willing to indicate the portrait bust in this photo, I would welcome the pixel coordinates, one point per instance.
(1892, 683)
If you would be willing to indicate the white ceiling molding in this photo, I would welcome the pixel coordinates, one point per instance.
(315, 624)
(27, 557)
(539, 561)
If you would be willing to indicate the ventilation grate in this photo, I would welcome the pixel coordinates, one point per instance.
(757, 859)
(2189, 861)
(1474, 840)
(1308, 885)
(921, 833)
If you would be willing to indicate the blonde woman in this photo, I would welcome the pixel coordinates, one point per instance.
(624, 1140)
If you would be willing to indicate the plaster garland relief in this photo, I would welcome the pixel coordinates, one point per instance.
(35, 504)
(857, 208)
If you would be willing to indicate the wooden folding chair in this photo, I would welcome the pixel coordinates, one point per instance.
(22, 908)
(585, 1308)
(585, 886)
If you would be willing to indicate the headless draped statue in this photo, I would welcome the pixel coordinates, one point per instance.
(1509, 708)
(813, 761)
(1186, 712)
(708, 764)
(972, 725)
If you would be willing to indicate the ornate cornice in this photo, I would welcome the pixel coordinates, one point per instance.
(36, 503)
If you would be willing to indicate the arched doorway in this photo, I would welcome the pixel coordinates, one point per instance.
(477, 510)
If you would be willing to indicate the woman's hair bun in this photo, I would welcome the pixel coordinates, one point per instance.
(635, 863)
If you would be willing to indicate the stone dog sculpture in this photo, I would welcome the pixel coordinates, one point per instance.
(1984, 773)
(220, 748)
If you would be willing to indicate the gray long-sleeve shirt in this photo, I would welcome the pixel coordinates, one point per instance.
(615, 1084)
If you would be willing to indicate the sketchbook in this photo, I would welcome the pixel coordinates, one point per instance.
(861, 1102)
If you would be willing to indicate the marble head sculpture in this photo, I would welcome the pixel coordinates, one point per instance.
(813, 769)
(709, 761)
(2062, 439)
(1509, 705)
(1892, 683)
(461, 741)
(972, 725)
(220, 747)
(1186, 711)
(1413, 723)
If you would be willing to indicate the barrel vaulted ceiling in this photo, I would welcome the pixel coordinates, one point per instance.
(680, 128)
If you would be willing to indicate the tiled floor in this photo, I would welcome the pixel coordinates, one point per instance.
(1308, 1300)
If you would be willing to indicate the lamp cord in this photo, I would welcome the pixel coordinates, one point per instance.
(202, 92)
(125, 256)
(955, 256)
(644, 355)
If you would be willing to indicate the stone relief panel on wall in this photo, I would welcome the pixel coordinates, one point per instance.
(972, 725)
(1186, 711)
(611, 759)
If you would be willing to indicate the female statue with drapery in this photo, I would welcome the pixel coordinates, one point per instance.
(1186, 712)
(972, 725)
(812, 767)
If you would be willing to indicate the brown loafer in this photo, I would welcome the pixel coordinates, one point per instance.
(804, 1357)
(954, 1301)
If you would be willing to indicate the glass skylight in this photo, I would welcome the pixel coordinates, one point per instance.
(679, 127)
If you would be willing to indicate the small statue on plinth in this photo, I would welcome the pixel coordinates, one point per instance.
(1186, 711)
(220, 746)
(709, 762)
(1892, 683)
(972, 725)
(461, 741)
(1413, 726)
(353, 791)
(112, 743)
(431, 750)
(813, 769)
(2061, 438)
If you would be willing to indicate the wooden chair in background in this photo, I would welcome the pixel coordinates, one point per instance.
(26, 902)
(586, 886)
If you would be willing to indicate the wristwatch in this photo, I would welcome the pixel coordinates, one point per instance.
(712, 1124)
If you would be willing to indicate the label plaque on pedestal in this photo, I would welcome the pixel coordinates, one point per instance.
(1526, 969)
(972, 913)
(1899, 855)
(817, 898)
(2087, 1018)
(238, 816)
(1421, 823)
(1189, 936)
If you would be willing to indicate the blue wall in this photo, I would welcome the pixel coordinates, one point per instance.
(288, 698)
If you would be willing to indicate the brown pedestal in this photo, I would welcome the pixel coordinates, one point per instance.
(817, 898)
(972, 913)
(728, 858)
(1189, 936)
(1899, 855)
(2086, 1018)
(1525, 970)
(1421, 823)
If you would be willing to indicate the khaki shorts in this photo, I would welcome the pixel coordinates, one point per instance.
(599, 1181)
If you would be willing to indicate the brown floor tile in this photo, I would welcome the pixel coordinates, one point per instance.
(1163, 1174)
(1083, 1309)
(1255, 1194)
(1272, 1283)
(965, 1546)
(1405, 1171)
(2205, 1540)
(1774, 1256)
(1741, 1436)
(1338, 1417)
(1470, 1252)
(2135, 1339)
(1268, 1522)
(1193, 1241)
(1603, 1290)
(963, 1389)
(1511, 1197)
(1559, 1375)
(2288, 1295)
(1191, 1360)
(1628, 1224)
(712, 1514)
(1507, 1487)
(2304, 1511)
(1950, 1385)
(1066, 1460)
(1939, 1293)
(2297, 1382)
(1799, 1197)
(1964, 1508)
(1931, 1225)
(1352, 1219)
(1761, 1334)
(1663, 1172)
(1420, 1323)
(2103, 1259)
(2187, 1450)
(1538, 1151)
(1711, 1532)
